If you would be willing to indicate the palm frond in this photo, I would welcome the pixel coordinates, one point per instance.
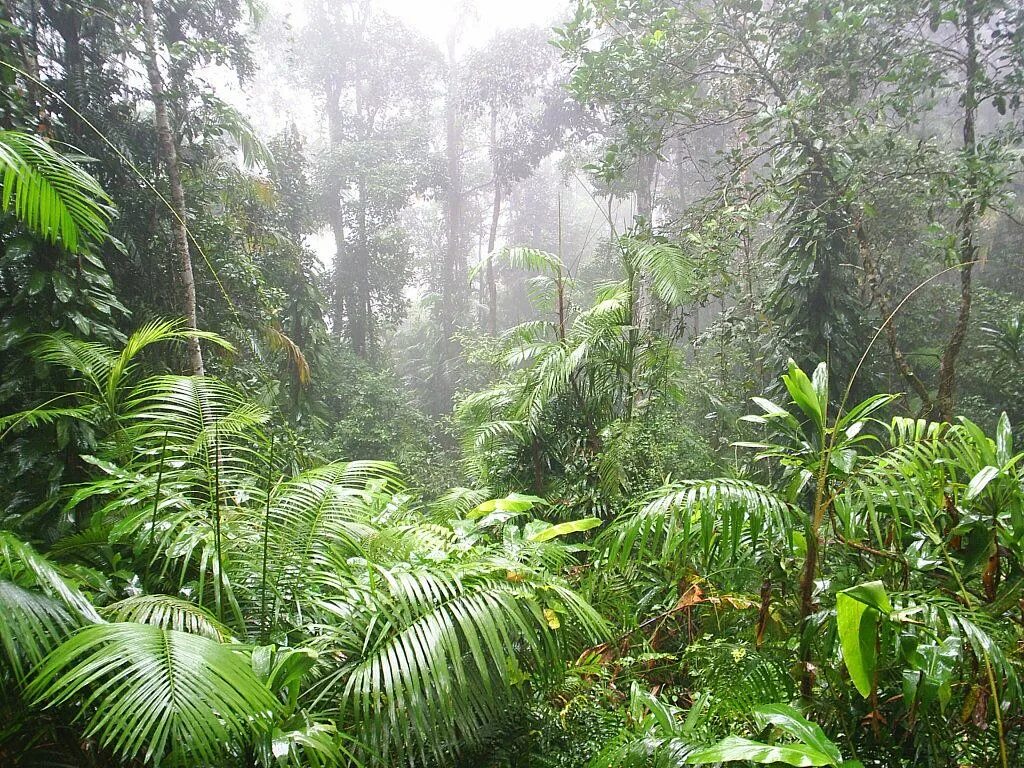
(168, 612)
(153, 693)
(31, 625)
(21, 564)
(50, 193)
(431, 656)
(719, 513)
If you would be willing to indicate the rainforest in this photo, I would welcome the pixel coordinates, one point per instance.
(548, 384)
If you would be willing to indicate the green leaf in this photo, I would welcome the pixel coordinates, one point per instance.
(857, 624)
(150, 692)
(871, 593)
(736, 748)
(984, 476)
(1004, 439)
(788, 719)
(50, 193)
(514, 502)
(819, 381)
(563, 529)
(804, 394)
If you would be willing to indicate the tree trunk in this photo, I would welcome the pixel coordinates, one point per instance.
(492, 237)
(67, 19)
(337, 214)
(169, 155)
(338, 228)
(967, 249)
(645, 303)
(359, 310)
(454, 260)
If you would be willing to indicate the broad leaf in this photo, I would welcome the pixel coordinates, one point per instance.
(563, 529)
(857, 612)
(788, 719)
(735, 748)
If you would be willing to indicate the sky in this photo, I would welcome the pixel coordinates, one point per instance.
(435, 17)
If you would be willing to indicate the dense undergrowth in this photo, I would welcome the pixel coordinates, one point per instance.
(591, 504)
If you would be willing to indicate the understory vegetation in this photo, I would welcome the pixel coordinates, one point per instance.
(641, 391)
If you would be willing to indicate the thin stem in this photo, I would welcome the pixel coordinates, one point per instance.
(219, 565)
(156, 497)
(264, 627)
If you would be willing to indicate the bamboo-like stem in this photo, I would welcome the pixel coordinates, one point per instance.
(156, 498)
(264, 626)
(219, 564)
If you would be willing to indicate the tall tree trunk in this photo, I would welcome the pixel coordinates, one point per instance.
(454, 259)
(966, 247)
(560, 279)
(67, 19)
(337, 214)
(645, 304)
(492, 237)
(359, 310)
(338, 228)
(168, 153)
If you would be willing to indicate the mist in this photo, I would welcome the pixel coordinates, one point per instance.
(584, 384)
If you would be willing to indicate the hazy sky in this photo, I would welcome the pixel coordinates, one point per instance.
(435, 17)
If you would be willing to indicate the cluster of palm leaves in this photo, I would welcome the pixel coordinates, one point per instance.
(205, 604)
(570, 388)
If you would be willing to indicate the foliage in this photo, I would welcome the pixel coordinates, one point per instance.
(648, 399)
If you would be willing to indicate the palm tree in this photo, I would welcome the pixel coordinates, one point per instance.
(571, 386)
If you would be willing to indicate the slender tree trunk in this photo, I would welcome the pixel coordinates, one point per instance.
(814, 519)
(169, 155)
(338, 228)
(454, 259)
(337, 213)
(560, 282)
(945, 397)
(645, 305)
(492, 283)
(492, 237)
(359, 311)
(68, 23)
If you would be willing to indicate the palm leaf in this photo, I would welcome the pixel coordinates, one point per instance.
(31, 625)
(169, 613)
(50, 193)
(154, 693)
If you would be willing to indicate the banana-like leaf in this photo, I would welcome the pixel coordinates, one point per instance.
(736, 749)
(564, 529)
